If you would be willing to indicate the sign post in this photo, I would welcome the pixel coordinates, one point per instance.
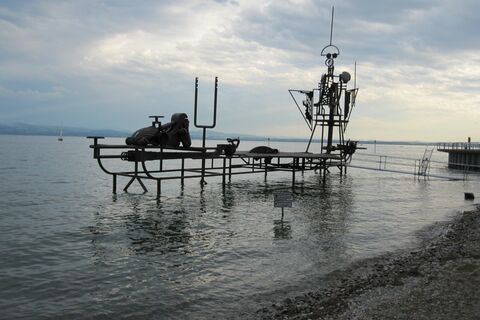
(282, 200)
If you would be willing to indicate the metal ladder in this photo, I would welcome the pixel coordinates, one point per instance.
(424, 167)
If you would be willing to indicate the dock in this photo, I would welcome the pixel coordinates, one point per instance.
(462, 155)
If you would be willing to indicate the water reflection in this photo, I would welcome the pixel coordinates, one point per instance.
(148, 226)
(282, 230)
(327, 210)
(158, 231)
(228, 198)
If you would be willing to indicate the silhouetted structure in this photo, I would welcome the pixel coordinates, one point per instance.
(330, 107)
(161, 143)
(462, 155)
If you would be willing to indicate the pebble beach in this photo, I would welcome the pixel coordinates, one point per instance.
(438, 279)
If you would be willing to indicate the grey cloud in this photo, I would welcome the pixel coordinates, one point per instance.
(44, 44)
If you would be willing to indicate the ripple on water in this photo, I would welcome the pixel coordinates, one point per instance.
(72, 250)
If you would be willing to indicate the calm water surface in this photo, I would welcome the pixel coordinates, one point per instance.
(71, 249)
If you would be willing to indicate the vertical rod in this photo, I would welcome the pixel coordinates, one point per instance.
(331, 116)
(161, 161)
(202, 180)
(321, 139)
(223, 171)
(195, 100)
(182, 171)
(266, 170)
(293, 173)
(159, 188)
(114, 183)
(230, 169)
(331, 25)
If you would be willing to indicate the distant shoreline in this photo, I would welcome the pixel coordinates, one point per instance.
(197, 135)
(26, 129)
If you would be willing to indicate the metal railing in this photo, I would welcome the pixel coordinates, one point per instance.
(458, 146)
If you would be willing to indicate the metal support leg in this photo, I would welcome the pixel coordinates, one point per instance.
(159, 188)
(141, 184)
(202, 179)
(293, 173)
(135, 177)
(128, 184)
(223, 171)
(182, 174)
(266, 170)
(114, 184)
(230, 169)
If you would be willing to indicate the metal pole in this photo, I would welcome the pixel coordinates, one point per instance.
(223, 171)
(114, 183)
(265, 171)
(182, 172)
(293, 173)
(202, 180)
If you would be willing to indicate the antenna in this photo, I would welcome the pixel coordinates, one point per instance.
(331, 25)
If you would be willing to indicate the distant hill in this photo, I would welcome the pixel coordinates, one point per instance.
(41, 130)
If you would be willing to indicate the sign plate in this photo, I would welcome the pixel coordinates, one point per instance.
(282, 200)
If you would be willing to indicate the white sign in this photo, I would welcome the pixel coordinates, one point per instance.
(282, 200)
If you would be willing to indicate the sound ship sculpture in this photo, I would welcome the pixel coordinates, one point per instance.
(326, 111)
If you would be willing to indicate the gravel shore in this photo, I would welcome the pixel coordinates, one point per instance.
(439, 279)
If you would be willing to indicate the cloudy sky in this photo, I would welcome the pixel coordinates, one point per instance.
(110, 64)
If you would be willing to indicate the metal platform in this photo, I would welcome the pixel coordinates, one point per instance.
(462, 155)
(219, 164)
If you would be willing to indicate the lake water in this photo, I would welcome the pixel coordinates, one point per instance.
(71, 249)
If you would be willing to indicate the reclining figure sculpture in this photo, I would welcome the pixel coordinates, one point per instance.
(170, 134)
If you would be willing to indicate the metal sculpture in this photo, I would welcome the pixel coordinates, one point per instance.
(170, 134)
(171, 142)
(332, 109)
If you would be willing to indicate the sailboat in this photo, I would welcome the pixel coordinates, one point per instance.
(60, 136)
